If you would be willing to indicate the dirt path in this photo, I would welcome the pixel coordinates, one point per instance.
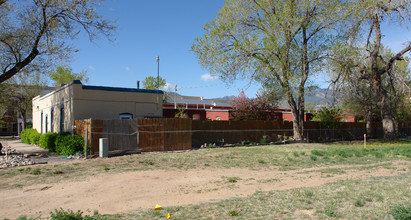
(125, 192)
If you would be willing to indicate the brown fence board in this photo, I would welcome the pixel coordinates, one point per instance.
(166, 134)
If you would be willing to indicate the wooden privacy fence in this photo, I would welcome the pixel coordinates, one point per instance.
(136, 135)
(167, 134)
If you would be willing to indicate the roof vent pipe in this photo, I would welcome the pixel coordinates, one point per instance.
(138, 84)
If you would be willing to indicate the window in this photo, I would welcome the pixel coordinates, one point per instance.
(4, 127)
(62, 118)
(51, 119)
(41, 122)
(14, 127)
(196, 116)
(125, 116)
(45, 125)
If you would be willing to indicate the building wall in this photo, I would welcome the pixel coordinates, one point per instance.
(223, 115)
(288, 116)
(51, 106)
(83, 102)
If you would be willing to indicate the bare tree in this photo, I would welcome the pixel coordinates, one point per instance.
(33, 33)
(367, 17)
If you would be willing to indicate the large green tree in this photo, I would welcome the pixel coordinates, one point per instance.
(275, 42)
(151, 82)
(34, 33)
(365, 32)
(64, 74)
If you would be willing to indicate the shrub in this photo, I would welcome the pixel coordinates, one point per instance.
(401, 212)
(70, 215)
(30, 136)
(25, 134)
(318, 153)
(47, 141)
(66, 215)
(67, 144)
(329, 117)
(34, 137)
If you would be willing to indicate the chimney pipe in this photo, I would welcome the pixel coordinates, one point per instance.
(138, 84)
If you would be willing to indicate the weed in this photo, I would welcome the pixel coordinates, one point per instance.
(303, 153)
(401, 211)
(36, 171)
(318, 153)
(379, 155)
(313, 158)
(308, 193)
(147, 162)
(69, 214)
(106, 169)
(295, 153)
(359, 203)
(330, 211)
(261, 161)
(233, 213)
(232, 179)
(206, 165)
(58, 172)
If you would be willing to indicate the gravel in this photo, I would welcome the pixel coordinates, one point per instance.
(10, 157)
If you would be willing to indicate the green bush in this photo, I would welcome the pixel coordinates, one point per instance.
(70, 215)
(67, 144)
(401, 212)
(30, 136)
(35, 137)
(47, 141)
(66, 215)
(329, 117)
(25, 134)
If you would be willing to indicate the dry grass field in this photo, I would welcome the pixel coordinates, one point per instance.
(293, 181)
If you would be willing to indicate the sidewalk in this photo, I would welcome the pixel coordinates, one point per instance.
(44, 156)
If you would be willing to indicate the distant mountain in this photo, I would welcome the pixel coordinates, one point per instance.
(321, 97)
(225, 98)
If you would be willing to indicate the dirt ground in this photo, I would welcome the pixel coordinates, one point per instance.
(125, 192)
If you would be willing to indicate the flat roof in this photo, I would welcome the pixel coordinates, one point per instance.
(102, 88)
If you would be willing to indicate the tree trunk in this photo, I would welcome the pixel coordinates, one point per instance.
(368, 124)
(24, 120)
(297, 125)
(386, 115)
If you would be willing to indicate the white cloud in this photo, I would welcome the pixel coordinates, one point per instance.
(170, 87)
(92, 68)
(208, 77)
(128, 69)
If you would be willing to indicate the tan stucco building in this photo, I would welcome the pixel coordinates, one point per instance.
(57, 110)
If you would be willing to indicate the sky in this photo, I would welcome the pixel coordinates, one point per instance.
(167, 28)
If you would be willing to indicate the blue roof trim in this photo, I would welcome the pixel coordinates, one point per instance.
(52, 109)
(57, 90)
(117, 89)
(62, 106)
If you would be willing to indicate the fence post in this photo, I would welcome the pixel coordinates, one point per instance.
(85, 152)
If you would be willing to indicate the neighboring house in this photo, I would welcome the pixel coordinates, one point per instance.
(197, 108)
(11, 123)
(57, 110)
(287, 115)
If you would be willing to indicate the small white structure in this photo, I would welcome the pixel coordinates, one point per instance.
(57, 110)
